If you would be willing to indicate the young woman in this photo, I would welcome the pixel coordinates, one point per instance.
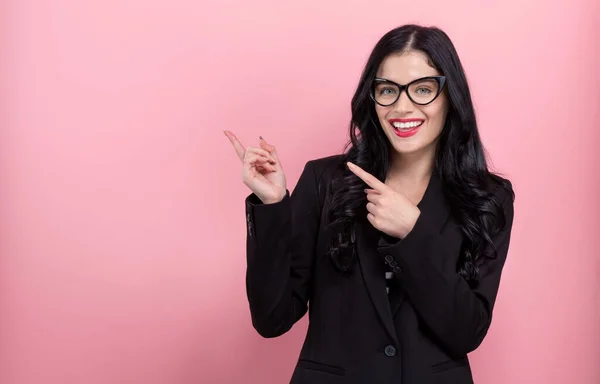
(395, 247)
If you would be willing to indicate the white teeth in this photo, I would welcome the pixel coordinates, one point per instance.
(412, 124)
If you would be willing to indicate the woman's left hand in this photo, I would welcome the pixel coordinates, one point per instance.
(389, 211)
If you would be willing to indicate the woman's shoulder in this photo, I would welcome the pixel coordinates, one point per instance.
(326, 167)
(324, 170)
(502, 187)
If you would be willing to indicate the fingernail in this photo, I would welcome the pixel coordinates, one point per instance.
(260, 137)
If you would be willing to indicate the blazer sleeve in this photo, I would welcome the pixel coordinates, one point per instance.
(280, 248)
(458, 316)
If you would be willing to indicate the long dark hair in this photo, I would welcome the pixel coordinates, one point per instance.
(460, 158)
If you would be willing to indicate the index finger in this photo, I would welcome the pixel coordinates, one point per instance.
(365, 176)
(239, 148)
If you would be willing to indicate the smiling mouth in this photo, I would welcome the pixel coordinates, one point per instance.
(406, 126)
(405, 129)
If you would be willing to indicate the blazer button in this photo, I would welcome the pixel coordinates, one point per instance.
(390, 351)
(389, 258)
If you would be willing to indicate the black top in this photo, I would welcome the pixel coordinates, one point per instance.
(386, 240)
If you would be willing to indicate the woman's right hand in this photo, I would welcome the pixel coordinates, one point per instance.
(261, 170)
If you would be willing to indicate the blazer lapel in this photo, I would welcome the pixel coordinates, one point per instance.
(373, 272)
(435, 208)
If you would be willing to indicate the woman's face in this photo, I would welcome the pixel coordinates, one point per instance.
(411, 128)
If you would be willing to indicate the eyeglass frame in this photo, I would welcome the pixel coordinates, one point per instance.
(441, 80)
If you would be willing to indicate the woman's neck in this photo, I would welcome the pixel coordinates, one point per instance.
(411, 168)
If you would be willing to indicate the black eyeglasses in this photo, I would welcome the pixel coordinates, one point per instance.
(420, 91)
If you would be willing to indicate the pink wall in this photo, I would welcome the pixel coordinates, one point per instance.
(122, 231)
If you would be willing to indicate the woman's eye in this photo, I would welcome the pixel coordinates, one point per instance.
(387, 91)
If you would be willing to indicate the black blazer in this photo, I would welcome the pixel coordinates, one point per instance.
(418, 334)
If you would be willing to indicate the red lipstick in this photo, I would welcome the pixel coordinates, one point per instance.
(406, 132)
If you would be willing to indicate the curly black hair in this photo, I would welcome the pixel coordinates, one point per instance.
(460, 161)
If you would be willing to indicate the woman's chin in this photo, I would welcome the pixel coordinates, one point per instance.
(406, 148)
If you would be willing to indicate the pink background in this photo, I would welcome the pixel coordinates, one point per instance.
(122, 226)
